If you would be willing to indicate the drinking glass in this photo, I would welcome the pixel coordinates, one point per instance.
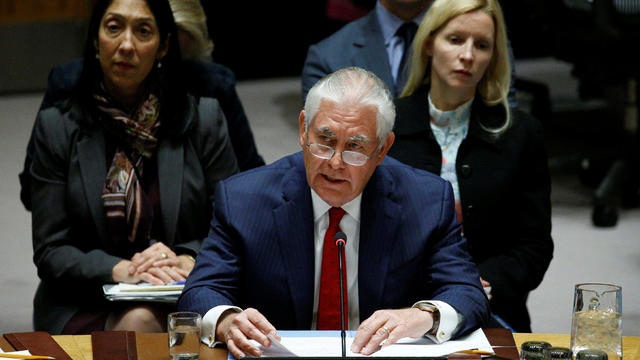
(597, 319)
(184, 335)
(591, 355)
(533, 350)
(558, 353)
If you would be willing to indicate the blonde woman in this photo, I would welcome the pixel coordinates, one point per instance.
(453, 119)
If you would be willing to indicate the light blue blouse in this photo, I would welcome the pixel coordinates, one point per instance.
(449, 129)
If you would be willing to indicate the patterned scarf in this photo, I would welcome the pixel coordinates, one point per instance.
(122, 194)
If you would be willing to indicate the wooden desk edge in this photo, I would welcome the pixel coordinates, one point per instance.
(79, 346)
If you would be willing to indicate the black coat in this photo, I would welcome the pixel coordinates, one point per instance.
(72, 250)
(504, 193)
(204, 79)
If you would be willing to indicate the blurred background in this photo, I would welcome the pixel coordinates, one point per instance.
(574, 73)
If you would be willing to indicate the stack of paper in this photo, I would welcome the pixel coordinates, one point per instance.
(142, 292)
(328, 344)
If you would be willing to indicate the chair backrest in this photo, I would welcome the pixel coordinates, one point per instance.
(621, 13)
(627, 14)
(628, 7)
(579, 5)
(621, 6)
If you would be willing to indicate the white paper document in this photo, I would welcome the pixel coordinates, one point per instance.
(143, 292)
(331, 346)
(23, 352)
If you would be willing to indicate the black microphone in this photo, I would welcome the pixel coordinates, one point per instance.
(341, 239)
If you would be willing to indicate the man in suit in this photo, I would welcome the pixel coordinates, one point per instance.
(375, 42)
(388, 30)
(271, 237)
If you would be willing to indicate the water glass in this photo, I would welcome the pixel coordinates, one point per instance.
(597, 319)
(184, 335)
(533, 350)
(591, 355)
(558, 353)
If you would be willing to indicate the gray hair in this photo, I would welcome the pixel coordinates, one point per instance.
(354, 86)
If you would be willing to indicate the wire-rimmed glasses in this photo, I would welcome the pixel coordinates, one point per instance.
(349, 157)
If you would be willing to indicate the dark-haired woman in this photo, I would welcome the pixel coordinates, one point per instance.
(123, 174)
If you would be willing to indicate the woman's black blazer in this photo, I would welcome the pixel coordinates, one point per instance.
(72, 251)
(505, 196)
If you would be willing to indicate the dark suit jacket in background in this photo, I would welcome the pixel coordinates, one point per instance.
(260, 249)
(204, 79)
(72, 251)
(359, 43)
(505, 196)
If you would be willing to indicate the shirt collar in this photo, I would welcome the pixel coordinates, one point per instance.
(453, 119)
(320, 207)
(390, 23)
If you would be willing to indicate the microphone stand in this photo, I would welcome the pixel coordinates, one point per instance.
(340, 241)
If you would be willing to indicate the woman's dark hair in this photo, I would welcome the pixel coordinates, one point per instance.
(166, 82)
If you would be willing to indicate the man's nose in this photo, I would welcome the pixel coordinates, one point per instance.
(336, 161)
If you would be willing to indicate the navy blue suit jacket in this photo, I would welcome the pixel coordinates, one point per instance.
(259, 252)
(359, 43)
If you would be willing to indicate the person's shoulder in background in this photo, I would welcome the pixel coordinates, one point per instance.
(209, 79)
(61, 83)
(334, 52)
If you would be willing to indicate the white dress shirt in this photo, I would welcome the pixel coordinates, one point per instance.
(350, 225)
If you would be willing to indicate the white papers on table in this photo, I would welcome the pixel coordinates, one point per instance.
(331, 346)
(22, 352)
(142, 292)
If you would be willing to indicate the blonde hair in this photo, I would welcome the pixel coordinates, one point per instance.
(190, 18)
(494, 85)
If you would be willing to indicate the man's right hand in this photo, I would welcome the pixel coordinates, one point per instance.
(235, 329)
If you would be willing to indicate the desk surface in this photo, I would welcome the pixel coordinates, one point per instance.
(79, 346)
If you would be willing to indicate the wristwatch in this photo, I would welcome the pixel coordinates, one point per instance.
(434, 312)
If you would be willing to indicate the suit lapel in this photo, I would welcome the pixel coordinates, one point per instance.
(378, 234)
(294, 222)
(170, 172)
(91, 157)
(371, 53)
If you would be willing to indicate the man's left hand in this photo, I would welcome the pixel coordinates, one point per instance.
(389, 326)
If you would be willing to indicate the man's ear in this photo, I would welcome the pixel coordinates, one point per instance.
(386, 146)
(301, 127)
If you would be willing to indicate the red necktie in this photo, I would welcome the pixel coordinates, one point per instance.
(329, 299)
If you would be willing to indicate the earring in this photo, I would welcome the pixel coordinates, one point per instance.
(97, 55)
(159, 64)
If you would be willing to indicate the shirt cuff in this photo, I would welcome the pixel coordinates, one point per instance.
(210, 323)
(450, 320)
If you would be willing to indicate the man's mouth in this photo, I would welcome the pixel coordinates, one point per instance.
(332, 179)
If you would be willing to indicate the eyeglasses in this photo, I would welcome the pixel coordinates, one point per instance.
(349, 157)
